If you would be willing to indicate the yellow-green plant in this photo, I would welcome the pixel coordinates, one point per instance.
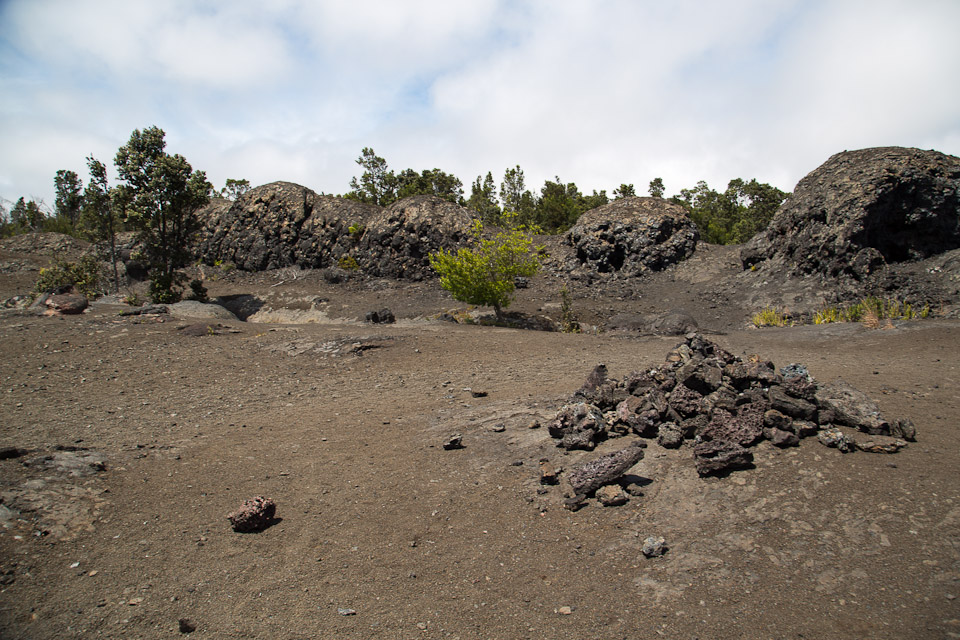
(770, 317)
(348, 263)
(568, 319)
(871, 307)
(484, 273)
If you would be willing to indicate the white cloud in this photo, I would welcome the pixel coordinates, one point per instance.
(597, 93)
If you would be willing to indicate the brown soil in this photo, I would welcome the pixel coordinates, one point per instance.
(341, 424)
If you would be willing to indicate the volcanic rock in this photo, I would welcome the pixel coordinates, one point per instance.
(67, 303)
(255, 514)
(282, 224)
(631, 236)
(852, 407)
(398, 240)
(578, 425)
(589, 476)
(719, 456)
(861, 210)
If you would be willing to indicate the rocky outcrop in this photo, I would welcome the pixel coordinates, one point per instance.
(282, 224)
(286, 225)
(862, 210)
(630, 236)
(398, 240)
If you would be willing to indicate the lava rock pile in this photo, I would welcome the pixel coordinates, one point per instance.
(723, 405)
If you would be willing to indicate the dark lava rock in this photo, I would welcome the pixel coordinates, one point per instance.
(255, 514)
(861, 210)
(670, 435)
(589, 476)
(383, 316)
(793, 407)
(743, 428)
(718, 456)
(834, 438)
(852, 407)
(631, 236)
(578, 425)
(453, 442)
(398, 240)
(654, 547)
(781, 438)
(67, 303)
(282, 224)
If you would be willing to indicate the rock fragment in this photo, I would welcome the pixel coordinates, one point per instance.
(453, 442)
(612, 495)
(717, 457)
(654, 547)
(589, 476)
(255, 514)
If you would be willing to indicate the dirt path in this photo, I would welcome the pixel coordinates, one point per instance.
(342, 425)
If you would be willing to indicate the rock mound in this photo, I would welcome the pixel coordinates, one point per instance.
(725, 405)
(862, 210)
(398, 240)
(282, 224)
(631, 236)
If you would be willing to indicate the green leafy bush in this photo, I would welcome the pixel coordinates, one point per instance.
(771, 317)
(348, 263)
(484, 273)
(83, 276)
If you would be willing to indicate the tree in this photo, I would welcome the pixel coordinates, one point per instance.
(484, 273)
(624, 191)
(100, 218)
(656, 188)
(483, 200)
(734, 216)
(165, 194)
(233, 189)
(69, 196)
(559, 206)
(429, 182)
(26, 216)
(512, 189)
(377, 184)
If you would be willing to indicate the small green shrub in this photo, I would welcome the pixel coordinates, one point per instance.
(484, 274)
(568, 319)
(356, 231)
(165, 288)
(133, 300)
(83, 276)
(771, 317)
(198, 292)
(348, 263)
(871, 307)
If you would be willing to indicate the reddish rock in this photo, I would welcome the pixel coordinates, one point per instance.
(255, 514)
(67, 303)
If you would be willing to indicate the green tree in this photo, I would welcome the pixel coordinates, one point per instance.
(594, 200)
(559, 206)
(624, 191)
(483, 200)
(512, 189)
(233, 189)
(100, 218)
(656, 188)
(26, 216)
(429, 182)
(165, 194)
(377, 184)
(484, 273)
(69, 196)
(734, 216)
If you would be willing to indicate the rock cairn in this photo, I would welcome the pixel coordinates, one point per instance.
(722, 406)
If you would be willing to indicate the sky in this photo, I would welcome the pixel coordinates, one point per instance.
(598, 92)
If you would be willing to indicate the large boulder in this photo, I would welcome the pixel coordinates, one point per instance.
(398, 240)
(861, 210)
(631, 236)
(282, 224)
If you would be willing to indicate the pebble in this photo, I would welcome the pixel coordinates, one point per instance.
(565, 611)
(346, 612)
(654, 547)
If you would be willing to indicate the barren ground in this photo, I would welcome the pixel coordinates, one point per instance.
(419, 542)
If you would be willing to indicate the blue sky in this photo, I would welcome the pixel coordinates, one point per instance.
(600, 93)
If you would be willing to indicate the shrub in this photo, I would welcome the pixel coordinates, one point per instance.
(771, 317)
(568, 319)
(348, 263)
(484, 273)
(198, 292)
(83, 276)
